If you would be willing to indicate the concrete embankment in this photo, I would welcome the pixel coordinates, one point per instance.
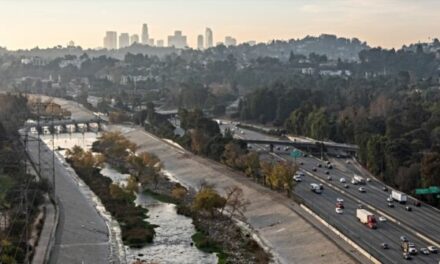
(289, 236)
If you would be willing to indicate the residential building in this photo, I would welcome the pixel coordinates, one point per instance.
(177, 40)
(230, 41)
(209, 40)
(200, 44)
(124, 40)
(134, 39)
(110, 40)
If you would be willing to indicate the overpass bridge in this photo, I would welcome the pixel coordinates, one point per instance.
(317, 146)
(62, 124)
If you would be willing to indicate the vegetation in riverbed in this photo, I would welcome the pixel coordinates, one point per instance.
(119, 201)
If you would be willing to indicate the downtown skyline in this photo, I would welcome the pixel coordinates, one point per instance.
(388, 24)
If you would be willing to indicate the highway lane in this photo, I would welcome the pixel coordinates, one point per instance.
(423, 219)
(348, 224)
(376, 197)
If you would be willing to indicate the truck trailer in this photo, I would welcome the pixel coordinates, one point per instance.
(366, 218)
(399, 197)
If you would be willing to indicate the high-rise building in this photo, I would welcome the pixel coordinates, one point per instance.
(230, 41)
(209, 40)
(134, 39)
(150, 42)
(200, 44)
(110, 40)
(124, 40)
(177, 40)
(145, 36)
(159, 43)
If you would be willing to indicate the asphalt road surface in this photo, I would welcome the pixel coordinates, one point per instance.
(421, 226)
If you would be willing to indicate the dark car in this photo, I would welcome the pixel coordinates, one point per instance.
(408, 208)
(329, 166)
(384, 246)
(314, 169)
(327, 172)
(390, 205)
(406, 256)
(385, 189)
(301, 163)
(403, 239)
(319, 165)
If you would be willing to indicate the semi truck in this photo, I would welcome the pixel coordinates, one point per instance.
(366, 218)
(398, 196)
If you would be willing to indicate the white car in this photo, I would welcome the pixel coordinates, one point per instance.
(368, 179)
(389, 199)
(340, 200)
(348, 162)
(297, 178)
(339, 210)
(342, 180)
(361, 189)
(432, 249)
(382, 219)
(412, 250)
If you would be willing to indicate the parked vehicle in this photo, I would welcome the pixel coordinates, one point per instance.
(398, 196)
(366, 217)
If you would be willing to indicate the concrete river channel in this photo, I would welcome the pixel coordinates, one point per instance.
(172, 243)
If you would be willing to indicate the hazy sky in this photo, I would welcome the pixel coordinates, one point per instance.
(386, 23)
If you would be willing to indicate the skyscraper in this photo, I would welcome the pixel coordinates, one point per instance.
(134, 39)
(124, 40)
(208, 38)
(200, 44)
(177, 40)
(110, 40)
(145, 36)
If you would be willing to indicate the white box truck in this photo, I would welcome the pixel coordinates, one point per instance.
(366, 218)
(398, 196)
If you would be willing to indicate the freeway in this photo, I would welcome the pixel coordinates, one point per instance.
(420, 225)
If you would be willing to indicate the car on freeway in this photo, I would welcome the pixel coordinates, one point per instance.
(417, 203)
(368, 179)
(346, 186)
(412, 250)
(286, 148)
(425, 251)
(342, 180)
(339, 200)
(339, 205)
(390, 205)
(301, 163)
(408, 208)
(389, 199)
(384, 246)
(329, 178)
(321, 187)
(297, 178)
(329, 166)
(241, 132)
(278, 148)
(327, 162)
(339, 210)
(385, 189)
(361, 189)
(382, 219)
(403, 239)
(327, 172)
(406, 256)
(348, 162)
(319, 165)
(314, 169)
(433, 249)
(360, 206)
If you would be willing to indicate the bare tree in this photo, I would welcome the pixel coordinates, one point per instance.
(235, 201)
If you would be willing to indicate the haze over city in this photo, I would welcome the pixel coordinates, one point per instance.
(47, 23)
